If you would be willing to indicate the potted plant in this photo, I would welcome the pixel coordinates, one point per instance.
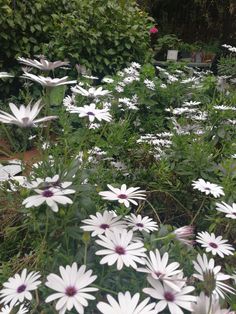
(169, 45)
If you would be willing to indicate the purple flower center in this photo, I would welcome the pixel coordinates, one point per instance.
(120, 250)
(71, 291)
(104, 226)
(169, 296)
(90, 113)
(214, 245)
(122, 196)
(139, 224)
(158, 273)
(47, 193)
(21, 288)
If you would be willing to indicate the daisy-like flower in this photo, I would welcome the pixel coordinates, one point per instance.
(208, 188)
(103, 221)
(5, 74)
(42, 64)
(121, 249)
(205, 305)
(214, 244)
(211, 277)
(18, 288)
(158, 268)
(72, 288)
(48, 81)
(91, 112)
(48, 182)
(8, 309)
(141, 223)
(185, 234)
(175, 300)
(107, 80)
(230, 211)
(126, 304)
(24, 116)
(123, 195)
(9, 171)
(51, 196)
(92, 92)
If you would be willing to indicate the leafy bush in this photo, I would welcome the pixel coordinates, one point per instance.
(101, 35)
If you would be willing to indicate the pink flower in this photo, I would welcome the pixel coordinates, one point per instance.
(153, 30)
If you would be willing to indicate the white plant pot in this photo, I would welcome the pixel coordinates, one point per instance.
(172, 55)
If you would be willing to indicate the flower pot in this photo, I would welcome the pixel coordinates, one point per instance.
(172, 55)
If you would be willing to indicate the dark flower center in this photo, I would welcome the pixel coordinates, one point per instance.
(158, 273)
(47, 193)
(139, 224)
(214, 245)
(122, 196)
(104, 226)
(90, 113)
(21, 288)
(71, 291)
(169, 296)
(120, 250)
(207, 189)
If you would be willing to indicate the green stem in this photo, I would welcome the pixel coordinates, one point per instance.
(158, 218)
(8, 136)
(105, 289)
(198, 212)
(85, 253)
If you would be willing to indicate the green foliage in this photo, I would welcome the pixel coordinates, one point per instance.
(227, 66)
(101, 35)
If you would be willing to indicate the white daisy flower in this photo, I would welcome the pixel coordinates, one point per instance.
(214, 244)
(42, 64)
(174, 300)
(9, 171)
(91, 112)
(120, 248)
(103, 221)
(136, 65)
(126, 304)
(48, 81)
(92, 92)
(149, 84)
(72, 288)
(5, 74)
(18, 288)
(230, 211)
(107, 80)
(211, 276)
(8, 309)
(69, 101)
(191, 103)
(123, 195)
(157, 266)
(141, 223)
(205, 305)
(208, 188)
(51, 196)
(163, 86)
(185, 234)
(24, 116)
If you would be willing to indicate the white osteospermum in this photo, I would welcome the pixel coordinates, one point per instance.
(91, 112)
(10, 170)
(103, 221)
(230, 211)
(120, 248)
(208, 188)
(48, 81)
(42, 64)
(174, 300)
(205, 305)
(157, 267)
(5, 74)
(126, 304)
(24, 116)
(213, 244)
(18, 288)
(92, 92)
(51, 196)
(123, 195)
(107, 80)
(48, 182)
(185, 234)
(210, 274)
(72, 288)
(141, 223)
(8, 309)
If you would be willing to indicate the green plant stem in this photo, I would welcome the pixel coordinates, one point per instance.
(198, 212)
(158, 218)
(85, 253)
(8, 136)
(105, 289)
